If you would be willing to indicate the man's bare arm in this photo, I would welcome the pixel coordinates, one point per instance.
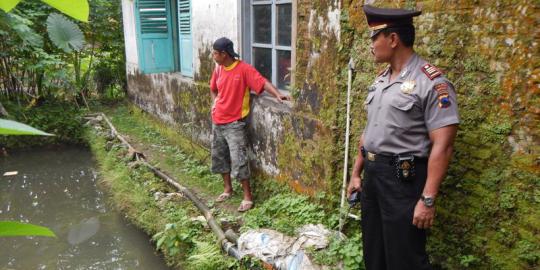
(441, 153)
(270, 88)
(439, 158)
(356, 179)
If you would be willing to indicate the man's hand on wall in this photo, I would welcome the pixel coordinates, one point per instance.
(281, 98)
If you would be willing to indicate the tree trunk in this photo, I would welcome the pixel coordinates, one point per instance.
(3, 111)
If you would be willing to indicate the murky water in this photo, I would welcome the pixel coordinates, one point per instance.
(58, 189)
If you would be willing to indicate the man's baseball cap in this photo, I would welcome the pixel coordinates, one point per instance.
(225, 45)
(382, 18)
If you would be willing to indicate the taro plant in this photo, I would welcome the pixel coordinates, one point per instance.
(44, 54)
(15, 228)
(29, 64)
(10, 127)
(78, 9)
(68, 37)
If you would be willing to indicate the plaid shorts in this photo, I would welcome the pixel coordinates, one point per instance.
(229, 149)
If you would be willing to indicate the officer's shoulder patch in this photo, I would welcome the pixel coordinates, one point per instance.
(431, 71)
(441, 88)
(442, 95)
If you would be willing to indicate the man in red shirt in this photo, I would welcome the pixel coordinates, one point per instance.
(230, 85)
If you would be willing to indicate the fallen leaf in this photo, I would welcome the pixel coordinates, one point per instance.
(11, 173)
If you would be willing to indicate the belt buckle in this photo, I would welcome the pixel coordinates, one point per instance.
(370, 156)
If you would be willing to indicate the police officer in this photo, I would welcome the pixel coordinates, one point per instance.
(405, 148)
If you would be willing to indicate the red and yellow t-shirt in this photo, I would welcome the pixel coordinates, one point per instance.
(232, 85)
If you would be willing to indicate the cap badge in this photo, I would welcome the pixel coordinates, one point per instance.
(407, 87)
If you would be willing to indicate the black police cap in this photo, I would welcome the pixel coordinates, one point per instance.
(382, 18)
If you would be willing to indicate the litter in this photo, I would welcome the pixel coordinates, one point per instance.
(282, 251)
(11, 173)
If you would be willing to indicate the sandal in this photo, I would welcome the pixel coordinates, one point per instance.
(223, 197)
(245, 205)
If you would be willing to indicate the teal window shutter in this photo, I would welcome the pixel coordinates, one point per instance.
(155, 45)
(185, 37)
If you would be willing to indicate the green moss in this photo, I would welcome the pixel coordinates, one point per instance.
(488, 201)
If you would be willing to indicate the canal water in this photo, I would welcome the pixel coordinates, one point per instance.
(57, 188)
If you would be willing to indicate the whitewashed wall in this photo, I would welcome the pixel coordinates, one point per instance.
(130, 36)
(211, 20)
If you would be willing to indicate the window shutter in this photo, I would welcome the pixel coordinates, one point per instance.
(185, 37)
(155, 36)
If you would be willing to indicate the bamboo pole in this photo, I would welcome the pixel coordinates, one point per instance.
(228, 247)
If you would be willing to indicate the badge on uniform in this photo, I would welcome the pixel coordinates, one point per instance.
(431, 71)
(443, 96)
(405, 168)
(407, 87)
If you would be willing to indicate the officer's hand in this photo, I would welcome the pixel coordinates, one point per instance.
(423, 216)
(354, 184)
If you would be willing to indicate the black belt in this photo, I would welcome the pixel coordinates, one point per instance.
(389, 159)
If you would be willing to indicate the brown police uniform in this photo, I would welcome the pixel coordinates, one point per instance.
(396, 146)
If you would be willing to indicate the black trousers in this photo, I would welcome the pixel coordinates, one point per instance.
(390, 240)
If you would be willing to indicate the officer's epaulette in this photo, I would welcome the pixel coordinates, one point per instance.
(383, 71)
(431, 71)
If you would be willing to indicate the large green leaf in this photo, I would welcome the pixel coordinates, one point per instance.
(8, 5)
(9, 127)
(13, 228)
(64, 33)
(22, 27)
(78, 9)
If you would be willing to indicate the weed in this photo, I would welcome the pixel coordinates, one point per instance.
(208, 256)
(285, 213)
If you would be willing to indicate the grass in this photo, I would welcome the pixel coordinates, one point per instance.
(178, 236)
(132, 191)
(168, 150)
(180, 157)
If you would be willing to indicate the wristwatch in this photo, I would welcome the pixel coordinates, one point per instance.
(428, 201)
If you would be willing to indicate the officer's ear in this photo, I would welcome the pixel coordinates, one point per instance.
(394, 39)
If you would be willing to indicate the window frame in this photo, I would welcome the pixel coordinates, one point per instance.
(173, 23)
(177, 42)
(248, 44)
(141, 37)
(178, 50)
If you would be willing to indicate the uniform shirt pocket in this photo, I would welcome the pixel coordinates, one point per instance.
(402, 104)
(401, 113)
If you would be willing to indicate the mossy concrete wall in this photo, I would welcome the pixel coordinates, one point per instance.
(489, 208)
